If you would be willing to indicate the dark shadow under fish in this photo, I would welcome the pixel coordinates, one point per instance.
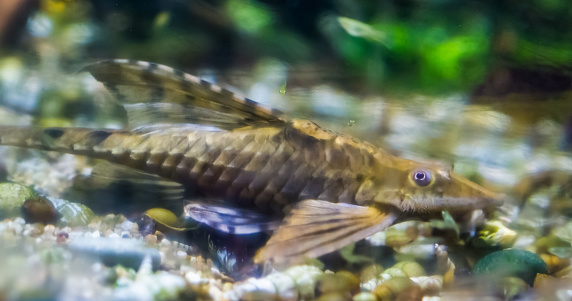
(333, 189)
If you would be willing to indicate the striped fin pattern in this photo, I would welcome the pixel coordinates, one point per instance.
(200, 102)
(231, 220)
(315, 228)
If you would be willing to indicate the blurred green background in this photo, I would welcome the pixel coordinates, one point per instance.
(432, 46)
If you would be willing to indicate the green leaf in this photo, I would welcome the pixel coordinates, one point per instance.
(358, 29)
(447, 223)
(347, 253)
(562, 252)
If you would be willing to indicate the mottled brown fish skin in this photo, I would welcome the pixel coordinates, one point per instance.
(268, 167)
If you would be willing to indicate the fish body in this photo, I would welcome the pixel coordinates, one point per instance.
(334, 189)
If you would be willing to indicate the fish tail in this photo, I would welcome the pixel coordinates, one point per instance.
(104, 144)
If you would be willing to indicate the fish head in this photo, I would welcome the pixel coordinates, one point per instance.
(425, 187)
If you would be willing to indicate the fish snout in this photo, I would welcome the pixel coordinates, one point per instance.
(497, 199)
(481, 196)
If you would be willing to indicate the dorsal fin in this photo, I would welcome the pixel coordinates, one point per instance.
(184, 97)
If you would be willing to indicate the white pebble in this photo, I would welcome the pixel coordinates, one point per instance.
(49, 229)
(181, 254)
(126, 225)
(193, 277)
(17, 227)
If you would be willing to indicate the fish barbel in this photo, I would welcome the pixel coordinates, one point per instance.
(331, 188)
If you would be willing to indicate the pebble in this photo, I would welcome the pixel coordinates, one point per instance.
(340, 282)
(74, 214)
(39, 210)
(165, 243)
(127, 252)
(430, 285)
(126, 225)
(151, 239)
(49, 229)
(33, 230)
(511, 262)
(17, 227)
(365, 296)
(398, 288)
(12, 198)
(181, 254)
(62, 237)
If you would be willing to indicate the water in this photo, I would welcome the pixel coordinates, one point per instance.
(483, 87)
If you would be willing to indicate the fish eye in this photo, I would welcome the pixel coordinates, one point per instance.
(421, 178)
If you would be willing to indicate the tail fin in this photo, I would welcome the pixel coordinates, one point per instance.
(105, 144)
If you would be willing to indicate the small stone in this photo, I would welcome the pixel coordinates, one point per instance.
(76, 215)
(554, 263)
(160, 236)
(398, 288)
(126, 225)
(340, 282)
(109, 219)
(306, 277)
(17, 227)
(393, 272)
(181, 254)
(513, 286)
(430, 285)
(12, 197)
(365, 296)
(34, 230)
(150, 239)
(165, 243)
(49, 229)
(227, 286)
(410, 268)
(62, 237)
(511, 262)
(39, 210)
(334, 296)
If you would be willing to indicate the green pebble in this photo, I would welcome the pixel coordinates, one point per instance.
(394, 272)
(74, 214)
(306, 277)
(410, 268)
(12, 197)
(511, 262)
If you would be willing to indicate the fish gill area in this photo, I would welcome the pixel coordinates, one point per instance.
(469, 85)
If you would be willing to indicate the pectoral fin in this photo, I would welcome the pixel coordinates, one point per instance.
(315, 227)
(112, 186)
(229, 219)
